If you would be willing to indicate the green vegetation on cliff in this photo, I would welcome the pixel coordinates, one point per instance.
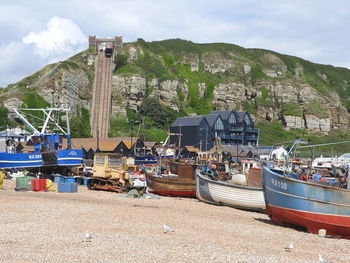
(34, 100)
(272, 133)
(150, 123)
(4, 121)
(200, 68)
(80, 124)
(187, 62)
(291, 110)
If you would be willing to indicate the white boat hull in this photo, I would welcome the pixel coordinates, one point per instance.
(223, 193)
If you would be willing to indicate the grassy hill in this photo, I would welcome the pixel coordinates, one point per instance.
(192, 63)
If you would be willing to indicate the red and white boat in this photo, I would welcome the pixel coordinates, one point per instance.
(309, 204)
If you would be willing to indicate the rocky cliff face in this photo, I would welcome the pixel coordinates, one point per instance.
(64, 84)
(68, 88)
(281, 93)
(192, 77)
(131, 90)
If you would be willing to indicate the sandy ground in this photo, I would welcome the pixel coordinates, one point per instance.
(50, 227)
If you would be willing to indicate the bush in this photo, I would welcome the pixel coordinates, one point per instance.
(292, 109)
(256, 73)
(316, 108)
(4, 117)
(264, 93)
(34, 100)
(162, 116)
(250, 107)
(154, 134)
(120, 61)
(80, 124)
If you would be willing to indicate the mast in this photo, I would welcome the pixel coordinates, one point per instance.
(27, 123)
(51, 116)
(69, 141)
(180, 134)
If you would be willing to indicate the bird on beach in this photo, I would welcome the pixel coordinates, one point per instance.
(167, 229)
(87, 237)
(289, 247)
(322, 260)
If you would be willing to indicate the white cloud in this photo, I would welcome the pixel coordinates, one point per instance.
(16, 61)
(62, 36)
(44, 33)
(19, 58)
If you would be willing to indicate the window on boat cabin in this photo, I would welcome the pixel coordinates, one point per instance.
(113, 161)
(232, 119)
(100, 159)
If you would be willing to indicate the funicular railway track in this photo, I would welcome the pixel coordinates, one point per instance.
(101, 103)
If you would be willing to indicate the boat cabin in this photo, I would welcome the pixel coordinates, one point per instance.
(112, 165)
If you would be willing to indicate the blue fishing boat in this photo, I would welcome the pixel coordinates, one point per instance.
(47, 151)
(20, 160)
(309, 204)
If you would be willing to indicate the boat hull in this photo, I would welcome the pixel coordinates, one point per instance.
(223, 193)
(171, 186)
(182, 184)
(310, 205)
(20, 160)
(68, 157)
(174, 193)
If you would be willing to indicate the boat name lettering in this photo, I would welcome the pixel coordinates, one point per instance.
(34, 156)
(279, 184)
(73, 153)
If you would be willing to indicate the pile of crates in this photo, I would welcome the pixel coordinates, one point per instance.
(27, 183)
(39, 185)
(24, 183)
(67, 187)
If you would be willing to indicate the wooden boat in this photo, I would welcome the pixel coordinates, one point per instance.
(304, 203)
(180, 181)
(229, 194)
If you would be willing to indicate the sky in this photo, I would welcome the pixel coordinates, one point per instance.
(38, 32)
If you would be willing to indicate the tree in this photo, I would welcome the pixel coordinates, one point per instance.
(161, 115)
(120, 61)
(3, 117)
(80, 124)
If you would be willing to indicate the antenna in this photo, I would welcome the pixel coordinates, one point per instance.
(180, 134)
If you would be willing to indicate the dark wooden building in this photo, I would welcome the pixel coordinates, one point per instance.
(233, 128)
(191, 131)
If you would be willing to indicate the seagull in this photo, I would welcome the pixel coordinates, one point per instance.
(289, 247)
(87, 237)
(167, 229)
(322, 260)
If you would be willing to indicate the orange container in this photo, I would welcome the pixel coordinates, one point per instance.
(39, 185)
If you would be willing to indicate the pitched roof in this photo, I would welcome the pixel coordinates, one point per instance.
(211, 118)
(188, 121)
(121, 148)
(224, 114)
(240, 115)
(105, 144)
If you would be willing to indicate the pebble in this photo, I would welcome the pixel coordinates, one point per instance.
(48, 227)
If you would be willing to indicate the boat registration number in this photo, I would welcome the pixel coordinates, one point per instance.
(34, 156)
(279, 184)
